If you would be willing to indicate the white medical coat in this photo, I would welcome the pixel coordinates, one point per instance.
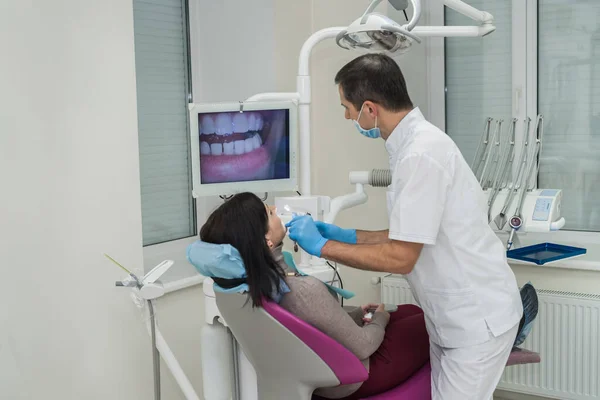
(461, 280)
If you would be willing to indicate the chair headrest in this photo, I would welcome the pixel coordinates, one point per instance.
(216, 260)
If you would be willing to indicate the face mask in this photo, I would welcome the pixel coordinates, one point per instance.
(372, 133)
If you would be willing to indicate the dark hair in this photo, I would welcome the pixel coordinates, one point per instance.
(242, 222)
(377, 78)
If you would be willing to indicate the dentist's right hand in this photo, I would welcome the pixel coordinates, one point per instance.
(334, 232)
(303, 231)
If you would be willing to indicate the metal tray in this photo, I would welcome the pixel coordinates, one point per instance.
(543, 253)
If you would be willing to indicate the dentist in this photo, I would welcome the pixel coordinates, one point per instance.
(438, 236)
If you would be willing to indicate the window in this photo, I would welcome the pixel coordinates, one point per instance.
(163, 92)
(478, 76)
(543, 58)
(569, 99)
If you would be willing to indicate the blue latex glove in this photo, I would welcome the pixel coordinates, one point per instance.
(303, 231)
(334, 232)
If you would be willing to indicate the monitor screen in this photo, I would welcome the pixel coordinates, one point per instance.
(240, 147)
(249, 149)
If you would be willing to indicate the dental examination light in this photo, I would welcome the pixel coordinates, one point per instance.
(377, 32)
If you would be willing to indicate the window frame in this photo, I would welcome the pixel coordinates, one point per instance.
(185, 6)
(524, 90)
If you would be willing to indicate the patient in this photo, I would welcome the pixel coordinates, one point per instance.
(392, 346)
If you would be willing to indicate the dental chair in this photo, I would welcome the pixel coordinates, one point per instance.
(292, 358)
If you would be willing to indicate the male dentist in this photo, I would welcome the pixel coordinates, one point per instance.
(438, 236)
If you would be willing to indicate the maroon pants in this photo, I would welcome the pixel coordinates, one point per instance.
(404, 350)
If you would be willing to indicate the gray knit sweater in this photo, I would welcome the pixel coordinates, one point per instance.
(311, 301)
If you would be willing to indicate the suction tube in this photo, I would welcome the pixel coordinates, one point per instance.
(375, 177)
(380, 178)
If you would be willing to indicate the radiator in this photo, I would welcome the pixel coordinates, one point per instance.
(566, 333)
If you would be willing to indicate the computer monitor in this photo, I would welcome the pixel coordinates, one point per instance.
(237, 147)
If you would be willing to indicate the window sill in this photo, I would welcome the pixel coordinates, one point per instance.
(184, 283)
(588, 240)
(182, 274)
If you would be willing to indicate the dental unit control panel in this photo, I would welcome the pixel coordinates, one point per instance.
(541, 211)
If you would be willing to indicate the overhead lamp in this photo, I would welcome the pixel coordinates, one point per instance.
(377, 32)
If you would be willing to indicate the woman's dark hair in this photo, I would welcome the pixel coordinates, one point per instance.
(242, 222)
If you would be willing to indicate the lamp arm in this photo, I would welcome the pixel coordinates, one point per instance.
(304, 97)
(269, 96)
(312, 41)
(416, 4)
(416, 15)
(454, 31)
(369, 10)
(470, 11)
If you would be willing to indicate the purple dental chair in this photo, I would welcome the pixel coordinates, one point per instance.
(292, 358)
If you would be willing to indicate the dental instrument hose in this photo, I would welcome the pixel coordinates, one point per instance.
(339, 277)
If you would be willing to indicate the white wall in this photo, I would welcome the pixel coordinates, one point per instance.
(233, 49)
(70, 191)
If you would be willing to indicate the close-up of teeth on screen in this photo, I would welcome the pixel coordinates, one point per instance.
(247, 146)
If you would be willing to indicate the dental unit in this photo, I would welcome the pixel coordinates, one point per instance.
(514, 203)
(227, 136)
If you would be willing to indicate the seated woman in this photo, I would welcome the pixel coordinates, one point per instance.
(392, 346)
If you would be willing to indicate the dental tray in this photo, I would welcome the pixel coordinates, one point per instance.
(543, 253)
